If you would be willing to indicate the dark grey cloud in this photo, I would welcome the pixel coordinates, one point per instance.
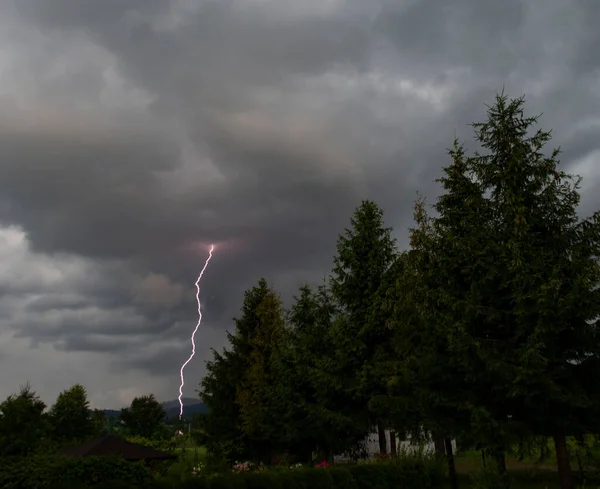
(135, 133)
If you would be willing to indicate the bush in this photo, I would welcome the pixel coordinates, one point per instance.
(164, 484)
(400, 473)
(115, 484)
(305, 478)
(341, 478)
(369, 476)
(225, 481)
(193, 483)
(262, 480)
(70, 485)
(288, 480)
(490, 479)
(50, 471)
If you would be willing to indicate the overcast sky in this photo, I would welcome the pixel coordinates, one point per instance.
(133, 133)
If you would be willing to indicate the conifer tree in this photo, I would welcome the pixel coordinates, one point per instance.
(365, 254)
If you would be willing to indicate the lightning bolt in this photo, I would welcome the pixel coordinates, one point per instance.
(192, 338)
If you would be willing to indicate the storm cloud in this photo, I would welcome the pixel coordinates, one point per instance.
(134, 133)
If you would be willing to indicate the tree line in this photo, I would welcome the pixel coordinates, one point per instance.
(483, 330)
(29, 427)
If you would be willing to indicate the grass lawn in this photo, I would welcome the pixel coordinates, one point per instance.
(522, 480)
(527, 474)
(470, 461)
(192, 453)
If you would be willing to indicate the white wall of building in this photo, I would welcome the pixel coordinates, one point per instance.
(405, 446)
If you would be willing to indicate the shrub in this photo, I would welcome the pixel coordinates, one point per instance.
(306, 478)
(49, 471)
(116, 484)
(193, 483)
(288, 480)
(262, 480)
(399, 473)
(369, 476)
(162, 483)
(225, 481)
(490, 479)
(70, 485)
(341, 478)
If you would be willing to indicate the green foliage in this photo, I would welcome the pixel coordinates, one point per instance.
(551, 275)
(225, 481)
(100, 423)
(361, 277)
(413, 473)
(24, 427)
(226, 441)
(317, 416)
(40, 472)
(409, 473)
(484, 330)
(113, 484)
(495, 307)
(70, 485)
(161, 445)
(262, 480)
(312, 478)
(490, 479)
(259, 415)
(342, 478)
(194, 483)
(144, 417)
(70, 415)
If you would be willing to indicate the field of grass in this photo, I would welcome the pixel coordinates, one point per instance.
(527, 473)
(192, 453)
(522, 480)
(467, 462)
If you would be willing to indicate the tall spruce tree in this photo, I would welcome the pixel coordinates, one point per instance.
(550, 348)
(222, 426)
(517, 287)
(293, 388)
(430, 383)
(261, 420)
(359, 282)
(325, 422)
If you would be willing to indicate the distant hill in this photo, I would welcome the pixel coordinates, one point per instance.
(187, 401)
(190, 406)
(111, 413)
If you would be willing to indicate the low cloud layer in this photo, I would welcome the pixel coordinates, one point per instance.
(134, 133)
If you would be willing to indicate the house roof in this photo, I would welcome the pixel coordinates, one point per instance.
(113, 445)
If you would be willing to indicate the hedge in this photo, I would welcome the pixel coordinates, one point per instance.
(400, 474)
(45, 472)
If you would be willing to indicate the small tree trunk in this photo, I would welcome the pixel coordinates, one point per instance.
(580, 466)
(580, 448)
(483, 458)
(562, 459)
(501, 461)
(451, 466)
(382, 440)
(393, 449)
(438, 443)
